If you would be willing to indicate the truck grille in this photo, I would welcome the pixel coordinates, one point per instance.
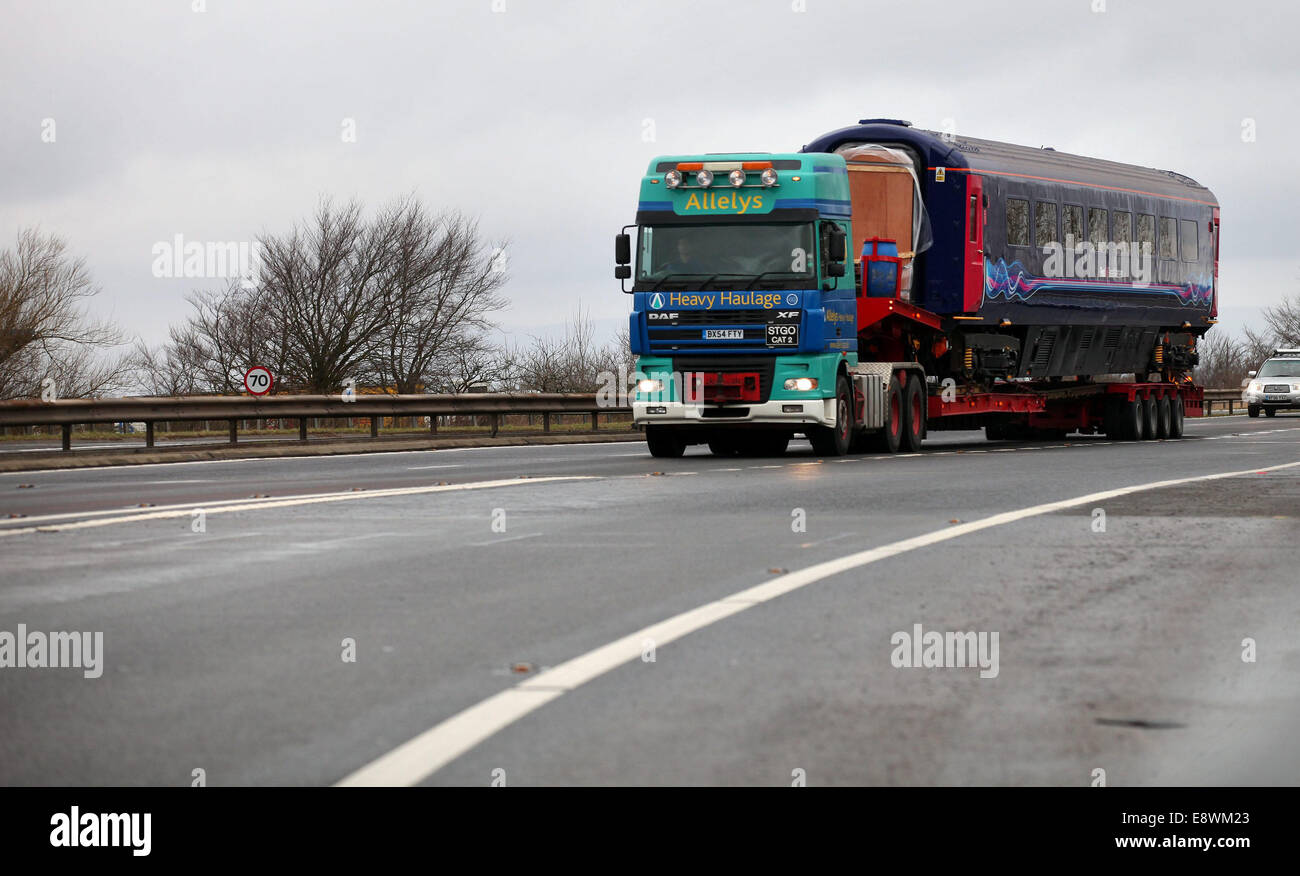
(764, 365)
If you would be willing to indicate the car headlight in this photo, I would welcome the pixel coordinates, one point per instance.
(801, 384)
(649, 386)
(1254, 387)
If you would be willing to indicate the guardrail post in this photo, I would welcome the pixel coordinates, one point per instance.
(595, 421)
(302, 428)
(67, 436)
(234, 431)
(496, 423)
(433, 424)
(148, 433)
(546, 422)
(374, 427)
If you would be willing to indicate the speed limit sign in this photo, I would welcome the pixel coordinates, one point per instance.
(258, 380)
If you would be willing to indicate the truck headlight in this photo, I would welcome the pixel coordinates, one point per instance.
(801, 384)
(649, 386)
(672, 179)
(768, 177)
(704, 178)
(736, 178)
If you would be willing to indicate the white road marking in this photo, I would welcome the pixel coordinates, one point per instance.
(260, 505)
(423, 467)
(504, 539)
(420, 757)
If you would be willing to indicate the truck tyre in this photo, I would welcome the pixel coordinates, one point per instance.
(834, 441)
(1130, 414)
(664, 441)
(1176, 416)
(913, 415)
(888, 439)
(1164, 415)
(1252, 410)
(1149, 419)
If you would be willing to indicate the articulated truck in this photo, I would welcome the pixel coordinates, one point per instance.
(887, 281)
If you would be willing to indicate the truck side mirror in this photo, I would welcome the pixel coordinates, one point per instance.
(837, 247)
(622, 249)
(622, 272)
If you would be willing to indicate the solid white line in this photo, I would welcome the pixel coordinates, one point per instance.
(373, 453)
(420, 757)
(289, 502)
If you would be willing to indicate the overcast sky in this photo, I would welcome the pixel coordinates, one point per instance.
(540, 117)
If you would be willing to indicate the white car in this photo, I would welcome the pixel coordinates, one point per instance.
(1275, 386)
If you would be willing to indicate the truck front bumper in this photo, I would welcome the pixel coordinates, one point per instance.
(794, 413)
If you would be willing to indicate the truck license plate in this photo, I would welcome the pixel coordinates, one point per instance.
(779, 335)
(724, 334)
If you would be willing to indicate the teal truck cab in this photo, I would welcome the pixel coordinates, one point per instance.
(743, 319)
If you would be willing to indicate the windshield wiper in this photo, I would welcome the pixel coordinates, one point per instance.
(768, 273)
(716, 276)
(666, 277)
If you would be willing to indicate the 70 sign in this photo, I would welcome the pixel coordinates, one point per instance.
(258, 380)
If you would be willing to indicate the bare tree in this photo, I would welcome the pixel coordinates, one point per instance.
(440, 287)
(1284, 322)
(323, 284)
(45, 332)
(574, 362)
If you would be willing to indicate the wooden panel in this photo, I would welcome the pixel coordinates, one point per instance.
(882, 204)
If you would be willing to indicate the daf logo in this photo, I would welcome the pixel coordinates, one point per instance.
(657, 301)
(662, 315)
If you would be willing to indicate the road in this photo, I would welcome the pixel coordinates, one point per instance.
(585, 614)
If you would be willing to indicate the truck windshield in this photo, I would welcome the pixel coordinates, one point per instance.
(778, 255)
(1280, 368)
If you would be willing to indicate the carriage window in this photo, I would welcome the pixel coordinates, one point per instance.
(1123, 227)
(1146, 234)
(1017, 222)
(1168, 238)
(1044, 223)
(1096, 225)
(1073, 225)
(1190, 249)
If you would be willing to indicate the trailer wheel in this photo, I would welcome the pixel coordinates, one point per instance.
(1164, 416)
(834, 441)
(1176, 416)
(1252, 410)
(913, 429)
(888, 439)
(1130, 420)
(664, 441)
(1149, 418)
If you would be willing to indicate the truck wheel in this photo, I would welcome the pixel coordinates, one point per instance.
(1270, 412)
(1130, 420)
(888, 439)
(1176, 417)
(1149, 418)
(1164, 415)
(1252, 410)
(827, 441)
(664, 441)
(913, 415)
